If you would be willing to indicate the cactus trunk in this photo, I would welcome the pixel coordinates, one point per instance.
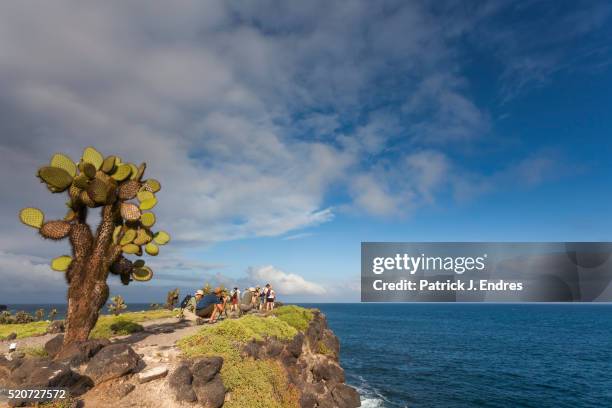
(84, 304)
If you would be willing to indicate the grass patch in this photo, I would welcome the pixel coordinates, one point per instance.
(297, 317)
(102, 328)
(24, 329)
(126, 323)
(253, 383)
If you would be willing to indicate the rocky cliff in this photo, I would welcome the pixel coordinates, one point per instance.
(286, 359)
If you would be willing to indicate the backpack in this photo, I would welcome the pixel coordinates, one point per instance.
(185, 301)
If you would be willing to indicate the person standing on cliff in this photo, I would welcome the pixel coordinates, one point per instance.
(270, 297)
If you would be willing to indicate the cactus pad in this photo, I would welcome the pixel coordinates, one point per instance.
(161, 237)
(143, 237)
(91, 155)
(139, 263)
(55, 229)
(108, 165)
(98, 191)
(147, 219)
(130, 249)
(148, 204)
(142, 274)
(152, 185)
(116, 233)
(128, 237)
(130, 212)
(61, 263)
(128, 190)
(140, 172)
(122, 172)
(134, 171)
(88, 169)
(57, 179)
(64, 162)
(152, 249)
(32, 217)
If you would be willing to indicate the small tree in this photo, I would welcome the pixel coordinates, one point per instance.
(172, 298)
(117, 305)
(207, 289)
(52, 314)
(40, 315)
(124, 229)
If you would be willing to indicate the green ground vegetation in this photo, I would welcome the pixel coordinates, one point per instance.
(125, 323)
(252, 383)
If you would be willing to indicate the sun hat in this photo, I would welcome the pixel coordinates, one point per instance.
(199, 292)
(251, 289)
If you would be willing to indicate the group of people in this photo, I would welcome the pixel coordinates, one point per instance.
(256, 297)
(212, 305)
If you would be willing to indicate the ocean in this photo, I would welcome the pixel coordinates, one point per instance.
(476, 355)
(471, 355)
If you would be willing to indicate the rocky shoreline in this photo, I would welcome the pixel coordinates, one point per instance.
(140, 372)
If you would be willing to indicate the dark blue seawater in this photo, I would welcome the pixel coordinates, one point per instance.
(470, 355)
(476, 355)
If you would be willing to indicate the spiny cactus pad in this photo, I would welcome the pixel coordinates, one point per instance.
(91, 155)
(128, 237)
(134, 171)
(145, 195)
(130, 249)
(88, 169)
(130, 212)
(128, 189)
(152, 249)
(142, 274)
(32, 217)
(64, 162)
(98, 191)
(55, 229)
(108, 165)
(161, 237)
(122, 172)
(147, 219)
(57, 179)
(152, 185)
(148, 204)
(61, 263)
(143, 237)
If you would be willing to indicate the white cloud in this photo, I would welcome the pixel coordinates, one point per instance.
(283, 282)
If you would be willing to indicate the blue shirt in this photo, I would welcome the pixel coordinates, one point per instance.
(210, 299)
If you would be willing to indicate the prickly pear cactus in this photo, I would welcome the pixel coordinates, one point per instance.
(125, 200)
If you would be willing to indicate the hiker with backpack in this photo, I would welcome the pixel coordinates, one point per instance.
(270, 297)
(234, 299)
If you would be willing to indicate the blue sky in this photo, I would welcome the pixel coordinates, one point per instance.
(287, 134)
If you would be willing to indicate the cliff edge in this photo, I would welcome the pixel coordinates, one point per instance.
(286, 359)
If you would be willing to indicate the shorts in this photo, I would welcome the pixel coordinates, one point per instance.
(270, 300)
(206, 312)
(234, 301)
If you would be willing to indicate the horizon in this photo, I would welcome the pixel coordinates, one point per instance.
(283, 138)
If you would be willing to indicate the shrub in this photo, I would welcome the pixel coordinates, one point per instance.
(253, 383)
(295, 316)
(39, 315)
(23, 317)
(6, 318)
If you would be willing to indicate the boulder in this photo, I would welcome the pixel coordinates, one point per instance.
(328, 371)
(345, 396)
(78, 353)
(330, 343)
(210, 394)
(53, 346)
(180, 383)
(113, 361)
(56, 327)
(152, 374)
(205, 369)
(45, 373)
